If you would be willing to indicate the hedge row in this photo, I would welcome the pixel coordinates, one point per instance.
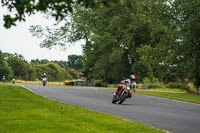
(175, 85)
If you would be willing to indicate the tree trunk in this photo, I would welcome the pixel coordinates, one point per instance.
(197, 71)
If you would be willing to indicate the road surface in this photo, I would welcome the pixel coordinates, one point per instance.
(165, 114)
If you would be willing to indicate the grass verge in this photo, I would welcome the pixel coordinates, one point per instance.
(23, 112)
(176, 94)
(39, 83)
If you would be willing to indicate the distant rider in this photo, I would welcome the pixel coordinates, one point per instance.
(44, 76)
(13, 80)
(4, 78)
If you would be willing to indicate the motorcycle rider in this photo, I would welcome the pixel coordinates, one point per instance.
(4, 78)
(44, 79)
(130, 82)
(44, 76)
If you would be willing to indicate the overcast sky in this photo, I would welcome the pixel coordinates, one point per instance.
(19, 40)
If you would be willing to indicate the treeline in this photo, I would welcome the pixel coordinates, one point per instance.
(15, 66)
(148, 38)
(157, 39)
(151, 39)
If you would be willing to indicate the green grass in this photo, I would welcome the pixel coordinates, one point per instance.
(23, 112)
(177, 94)
(39, 83)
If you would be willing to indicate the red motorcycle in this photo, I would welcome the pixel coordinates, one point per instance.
(123, 92)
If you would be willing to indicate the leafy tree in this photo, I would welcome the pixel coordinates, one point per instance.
(5, 69)
(112, 35)
(63, 64)
(37, 61)
(53, 71)
(75, 74)
(44, 61)
(188, 42)
(56, 8)
(31, 73)
(116, 33)
(20, 67)
(148, 38)
(75, 62)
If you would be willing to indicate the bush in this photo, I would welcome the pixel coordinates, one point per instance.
(139, 86)
(112, 85)
(101, 84)
(150, 86)
(191, 88)
(65, 83)
(75, 74)
(148, 80)
(175, 85)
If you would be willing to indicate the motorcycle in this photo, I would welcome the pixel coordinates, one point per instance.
(4, 79)
(122, 93)
(44, 81)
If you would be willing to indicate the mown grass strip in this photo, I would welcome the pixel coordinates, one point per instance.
(23, 112)
(39, 83)
(176, 94)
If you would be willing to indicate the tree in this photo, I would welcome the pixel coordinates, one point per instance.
(112, 35)
(53, 71)
(58, 9)
(5, 69)
(21, 68)
(119, 38)
(63, 64)
(35, 62)
(75, 74)
(188, 42)
(115, 35)
(75, 62)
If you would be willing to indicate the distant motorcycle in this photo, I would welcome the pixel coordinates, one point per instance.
(122, 93)
(44, 81)
(4, 79)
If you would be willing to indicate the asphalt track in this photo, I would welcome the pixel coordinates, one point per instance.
(165, 114)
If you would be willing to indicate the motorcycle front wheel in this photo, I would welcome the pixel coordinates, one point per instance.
(122, 99)
(44, 84)
(114, 101)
